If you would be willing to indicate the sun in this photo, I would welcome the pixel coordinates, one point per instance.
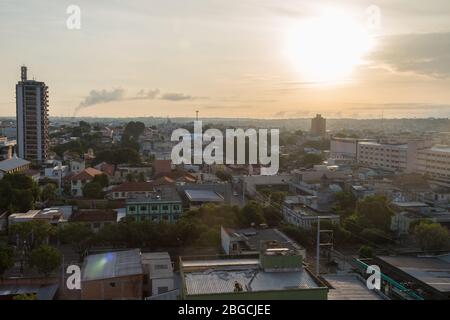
(328, 47)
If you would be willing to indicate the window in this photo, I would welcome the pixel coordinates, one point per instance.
(161, 267)
(176, 207)
(163, 290)
(133, 208)
(96, 225)
(165, 207)
(154, 208)
(143, 208)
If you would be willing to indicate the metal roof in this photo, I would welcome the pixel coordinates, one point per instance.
(252, 280)
(433, 271)
(203, 196)
(13, 163)
(349, 287)
(112, 264)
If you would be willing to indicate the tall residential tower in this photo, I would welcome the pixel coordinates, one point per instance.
(32, 118)
(318, 126)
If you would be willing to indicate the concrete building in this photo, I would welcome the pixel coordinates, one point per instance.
(32, 119)
(76, 166)
(13, 165)
(113, 276)
(6, 148)
(318, 126)
(391, 157)
(131, 189)
(435, 163)
(276, 274)
(95, 219)
(345, 149)
(197, 198)
(163, 204)
(426, 275)
(79, 180)
(158, 267)
(250, 241)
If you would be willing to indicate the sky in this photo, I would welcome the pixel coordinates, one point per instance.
(231, 58)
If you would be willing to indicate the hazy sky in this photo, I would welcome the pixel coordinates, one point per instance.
(229, 58)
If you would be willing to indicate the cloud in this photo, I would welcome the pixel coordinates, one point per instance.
(149, 94)
(425, 54)
(176, 97)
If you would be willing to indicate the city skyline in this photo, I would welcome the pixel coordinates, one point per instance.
(231, 60)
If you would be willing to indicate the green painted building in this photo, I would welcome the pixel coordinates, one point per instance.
(162, 205)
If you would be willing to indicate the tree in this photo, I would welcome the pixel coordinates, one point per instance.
(374, 212)
(101, 179)
(141, 177)
(251, 213)
(93, 190)
(130, 177)
(272, 216)
(365, 252)
(310, 160)
(45, 259)
(49, 192)
(78, 235)
(34, 233)
(25, 296)
(18, 192)
(222, 175)
(345, 201)
(6, 259)
(431, 236)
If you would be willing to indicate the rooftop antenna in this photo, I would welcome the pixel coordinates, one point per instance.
(23, 73)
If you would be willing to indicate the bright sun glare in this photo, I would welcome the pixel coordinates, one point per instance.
(327, 48)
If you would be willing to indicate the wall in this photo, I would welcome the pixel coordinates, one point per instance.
(129, 287)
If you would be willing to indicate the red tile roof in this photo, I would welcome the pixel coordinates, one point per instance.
(87, 174)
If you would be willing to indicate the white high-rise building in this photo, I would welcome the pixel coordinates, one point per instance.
(32, 118)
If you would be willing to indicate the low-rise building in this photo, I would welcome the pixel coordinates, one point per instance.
(131, 189)
(159, 269)
(435, 163)
(113, 276)
(6, 148)
(164, 204)
(95, 218)
(425, 275)
(251, 240)
(14, 165)
(197, 197)
(79, 180)
(278, 273)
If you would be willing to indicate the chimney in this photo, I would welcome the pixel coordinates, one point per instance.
(23, 73)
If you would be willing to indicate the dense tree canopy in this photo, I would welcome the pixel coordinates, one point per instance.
(45, 259)
(18, 192)
(431, 236)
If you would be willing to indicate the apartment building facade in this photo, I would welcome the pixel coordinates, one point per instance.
(32, 119)
(435, 163)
